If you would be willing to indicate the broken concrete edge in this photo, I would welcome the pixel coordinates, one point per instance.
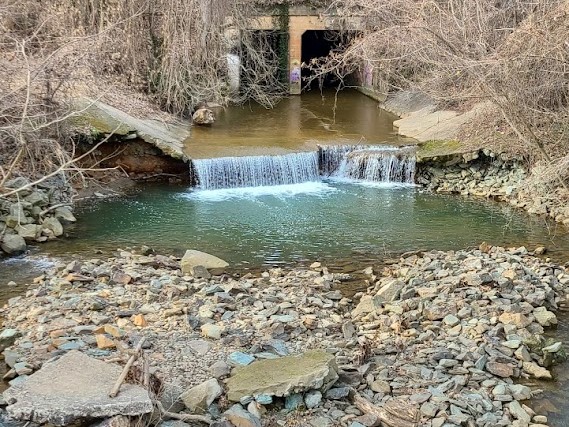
(435, 131)
(74, 387)
(104, 119)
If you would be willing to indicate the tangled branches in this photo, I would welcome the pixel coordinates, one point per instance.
(513, 54)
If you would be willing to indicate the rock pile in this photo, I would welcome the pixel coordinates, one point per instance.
(33, 215)
(445, 334)
(486, 174)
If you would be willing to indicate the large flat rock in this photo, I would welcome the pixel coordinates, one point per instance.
(193, 258)
(280, 377)
(73, 387)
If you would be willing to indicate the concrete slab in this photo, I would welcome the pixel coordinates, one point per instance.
(74, 387)
(167, 137)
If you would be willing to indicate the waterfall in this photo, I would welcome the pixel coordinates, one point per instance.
(369, 163)
(256, 171)
(358, 162)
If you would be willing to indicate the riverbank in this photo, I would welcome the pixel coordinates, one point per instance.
(447, 333)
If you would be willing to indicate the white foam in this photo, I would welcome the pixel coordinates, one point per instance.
(282, 191)
(373, 184)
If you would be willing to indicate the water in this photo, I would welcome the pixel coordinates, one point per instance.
(298, 123)
(279, 225)
(372, 164)
(366, 163)
(257, 171)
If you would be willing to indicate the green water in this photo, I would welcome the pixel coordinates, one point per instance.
(300, 223)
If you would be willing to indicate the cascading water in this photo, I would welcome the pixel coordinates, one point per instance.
(369, 163)
(358, 162)
(256, 171)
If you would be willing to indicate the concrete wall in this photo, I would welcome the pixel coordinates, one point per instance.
(302, 19)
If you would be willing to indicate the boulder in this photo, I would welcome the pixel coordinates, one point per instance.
(54, 225)
(74, 387)
(13, 244)
(200, 397)
(29, 231)
(203, 117)
(194, 258)
(64, 215)
(313, 370)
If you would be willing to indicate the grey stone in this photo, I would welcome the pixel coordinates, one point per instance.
(390, 291)
(7, 337)
(264, 399)
(239, 417)
(73, 387)
(200, 347)
(13, 244)
(312, 399)
(200, 397)
(118, 421)
(220, 369)
(64, 215)
(212, 331)
(194, 258)
(170, 397)
(367, 304)
(451, 320)
(545, 317)
(337, 393)
(29, 231)
(54, 225)
(238, 358)
(294, 401)
(520, 392)
(535, 370)
(518, 412)
(173, 423)
(283, 376)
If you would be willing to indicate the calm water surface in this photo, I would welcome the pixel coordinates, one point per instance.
(297, 123)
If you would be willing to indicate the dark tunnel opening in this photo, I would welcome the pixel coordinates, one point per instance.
(318, 44)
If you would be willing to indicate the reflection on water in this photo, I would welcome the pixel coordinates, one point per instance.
(296, 124)
(311, 221)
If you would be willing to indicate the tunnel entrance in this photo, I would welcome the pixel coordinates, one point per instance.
(318, 44)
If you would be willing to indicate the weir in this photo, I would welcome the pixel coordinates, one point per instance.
(357, 162)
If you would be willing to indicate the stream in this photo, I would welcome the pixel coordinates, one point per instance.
(331, 219)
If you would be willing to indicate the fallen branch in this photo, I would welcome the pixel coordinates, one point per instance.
(395, 413)
(183, 417)
(126, 368)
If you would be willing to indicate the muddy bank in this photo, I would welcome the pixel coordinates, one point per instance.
(444, 333)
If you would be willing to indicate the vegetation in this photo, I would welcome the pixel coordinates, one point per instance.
(173, 52)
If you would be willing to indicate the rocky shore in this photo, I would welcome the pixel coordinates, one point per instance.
(34, 214)
(490, 175)
(438, 339)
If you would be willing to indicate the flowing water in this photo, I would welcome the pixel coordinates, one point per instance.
(308, 181)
